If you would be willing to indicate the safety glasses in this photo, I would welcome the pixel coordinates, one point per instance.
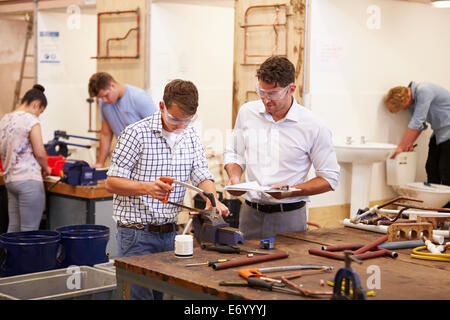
(273, 94)
(177, 121)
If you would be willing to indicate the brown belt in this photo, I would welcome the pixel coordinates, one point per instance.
(164, 228)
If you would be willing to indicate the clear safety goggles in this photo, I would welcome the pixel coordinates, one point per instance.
(273, 94)
(177, 121)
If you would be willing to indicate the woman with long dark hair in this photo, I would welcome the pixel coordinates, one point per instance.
(24, 161)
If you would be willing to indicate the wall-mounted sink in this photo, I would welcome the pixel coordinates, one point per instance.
(368, 152)
(362, 156)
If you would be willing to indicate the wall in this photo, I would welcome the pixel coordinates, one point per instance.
(359, 50)
(66, 81)
(263, 28)
(12, 38)
(193, 40)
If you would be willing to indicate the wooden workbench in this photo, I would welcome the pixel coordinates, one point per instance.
(403, 278)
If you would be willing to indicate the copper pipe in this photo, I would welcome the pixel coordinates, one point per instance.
(371, 245)
(342, 247)
(137, 28)
(247, 261)
(326, 254)
(364, 256)
(277, 7)
(313, 224)
(376, 254)
(306, 293)
(423, 208)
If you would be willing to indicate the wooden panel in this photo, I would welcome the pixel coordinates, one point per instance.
(289, 17)
(131, 71)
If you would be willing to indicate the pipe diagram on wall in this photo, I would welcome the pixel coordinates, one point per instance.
(122, 38)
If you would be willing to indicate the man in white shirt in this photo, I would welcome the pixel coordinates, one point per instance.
(275, 141)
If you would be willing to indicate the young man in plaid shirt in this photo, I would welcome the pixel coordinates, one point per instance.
(160, 145)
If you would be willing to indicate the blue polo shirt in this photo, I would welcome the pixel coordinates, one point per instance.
(431, 103)
(133, 106)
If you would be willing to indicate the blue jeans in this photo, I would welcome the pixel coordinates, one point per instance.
(133, 242)
(26, 202)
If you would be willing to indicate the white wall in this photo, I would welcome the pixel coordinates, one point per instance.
(193, 40)
(359, 50)
(66, 82)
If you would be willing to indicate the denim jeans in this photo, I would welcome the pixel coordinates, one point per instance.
(133, 242)
(26, 202)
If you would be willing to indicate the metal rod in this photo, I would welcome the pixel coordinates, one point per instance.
(247, 261)
(36, 46)
(407, 212)
(371, 245)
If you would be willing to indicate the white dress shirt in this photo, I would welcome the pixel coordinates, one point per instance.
(281, 152)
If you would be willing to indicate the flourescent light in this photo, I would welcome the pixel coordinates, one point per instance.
(441, 3)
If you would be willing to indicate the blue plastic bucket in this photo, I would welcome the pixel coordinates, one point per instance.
(83, 245)
(28, 252)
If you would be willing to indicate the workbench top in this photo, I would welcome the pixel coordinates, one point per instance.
(403, 278)
(97, 191)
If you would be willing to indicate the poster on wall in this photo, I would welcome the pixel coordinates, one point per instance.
(49, 47)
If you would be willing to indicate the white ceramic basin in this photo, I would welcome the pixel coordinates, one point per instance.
(369, 152)
(362, 156)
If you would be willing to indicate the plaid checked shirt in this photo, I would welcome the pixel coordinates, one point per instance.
(143, 154)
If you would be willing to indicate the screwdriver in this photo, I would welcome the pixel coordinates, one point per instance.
(208, 263)
(230, 249)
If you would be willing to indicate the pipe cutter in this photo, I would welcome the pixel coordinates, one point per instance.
(209, 226)
(346, 277)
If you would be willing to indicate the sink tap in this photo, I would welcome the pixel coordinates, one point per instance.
(348, 140)
(363, 139)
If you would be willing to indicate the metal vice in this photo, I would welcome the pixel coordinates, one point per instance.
(209, 226)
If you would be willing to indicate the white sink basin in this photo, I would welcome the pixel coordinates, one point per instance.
(362, 156)
(364, 153)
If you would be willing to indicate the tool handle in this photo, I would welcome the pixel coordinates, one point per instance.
(210, 263)
(233, 283)
(169, 181)
(222, 249)
(258, 283)
(251, 272)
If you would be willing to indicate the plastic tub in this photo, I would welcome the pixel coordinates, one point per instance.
(107, 266)
(83, 245)
(28, 252)
(79, 283)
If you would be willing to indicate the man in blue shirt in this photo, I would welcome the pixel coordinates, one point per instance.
(120, 105)
(430, 103)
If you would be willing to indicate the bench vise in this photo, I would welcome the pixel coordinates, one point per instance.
(79, 173)
(209, 226)
(57, 147)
